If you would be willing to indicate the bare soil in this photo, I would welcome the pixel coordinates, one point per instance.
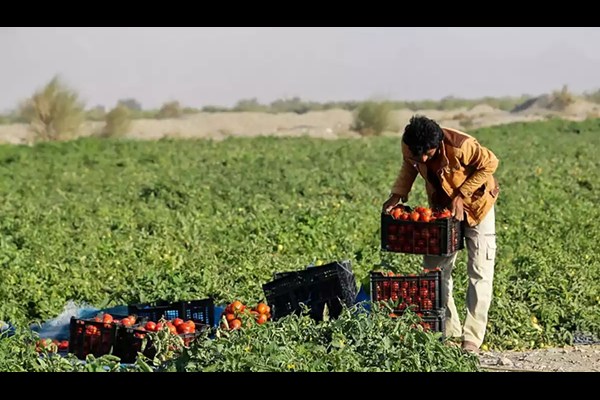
(580, 358)
(331, 124)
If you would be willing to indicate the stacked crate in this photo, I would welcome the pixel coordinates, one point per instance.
(423, 294)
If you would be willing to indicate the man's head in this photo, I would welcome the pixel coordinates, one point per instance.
(423, 137)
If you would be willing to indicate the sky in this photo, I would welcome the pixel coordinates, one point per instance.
(221, 65)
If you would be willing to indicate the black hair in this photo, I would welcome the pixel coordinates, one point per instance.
(422, 134)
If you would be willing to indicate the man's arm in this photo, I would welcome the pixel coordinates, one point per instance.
(405, 179)
(483, 160)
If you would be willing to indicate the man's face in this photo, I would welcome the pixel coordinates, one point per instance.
(424, 157)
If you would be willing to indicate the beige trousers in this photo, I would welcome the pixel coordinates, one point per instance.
(481, 247)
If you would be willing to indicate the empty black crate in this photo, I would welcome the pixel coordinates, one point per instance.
(331, 284)
(440, 237)
(422, 292)
(197, 310)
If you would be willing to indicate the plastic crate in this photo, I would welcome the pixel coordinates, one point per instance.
(197, 310)
(422, 292)
(431, 321)
(129, 341)
(332, 284)
(441, 237)
(87, 336)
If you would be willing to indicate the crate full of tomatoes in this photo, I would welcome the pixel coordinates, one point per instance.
(131, 340)
(420, 293)
(96, 335)
(421, 231)
(125, 336)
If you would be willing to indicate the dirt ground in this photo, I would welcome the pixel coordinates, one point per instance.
(579, 358)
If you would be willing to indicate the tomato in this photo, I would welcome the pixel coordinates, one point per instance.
(172, 328)
(262, 308)
(127, 322)
(231, 317)
(396, 213)
(237, 306)
(184, 328)
(425, 218)
(91, 330)
(445, 214)
(150, 326)
(107, 318)
(262, 319)
(235, 324)
(63, 345)
(177, 322)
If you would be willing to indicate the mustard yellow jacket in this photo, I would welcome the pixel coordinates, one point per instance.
(465, 168)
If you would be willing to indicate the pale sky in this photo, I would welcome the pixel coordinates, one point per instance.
(219, 66)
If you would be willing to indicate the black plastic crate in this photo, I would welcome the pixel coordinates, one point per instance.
(332, 284)
(431, 321)
(129, 341)
(423, 292)
(441, 237)
(88, 336)
(197, 310)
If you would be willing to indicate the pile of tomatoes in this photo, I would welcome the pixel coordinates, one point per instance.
(236, 312)
(419, 214)
(51, 345)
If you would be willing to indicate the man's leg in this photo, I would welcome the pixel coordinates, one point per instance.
(453, 327)
(481, 245)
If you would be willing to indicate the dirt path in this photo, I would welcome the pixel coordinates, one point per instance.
(580, 358)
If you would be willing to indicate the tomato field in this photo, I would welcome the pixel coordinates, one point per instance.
(109, 222)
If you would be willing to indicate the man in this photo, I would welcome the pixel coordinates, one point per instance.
(458, 175)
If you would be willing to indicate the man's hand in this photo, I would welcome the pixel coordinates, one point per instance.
(392, 202)
(457, 208)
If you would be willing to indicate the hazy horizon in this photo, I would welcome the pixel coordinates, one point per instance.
(219, 66)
